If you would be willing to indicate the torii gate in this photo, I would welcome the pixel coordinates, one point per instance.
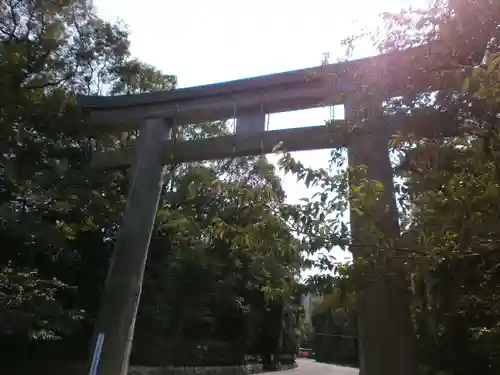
(249, 100)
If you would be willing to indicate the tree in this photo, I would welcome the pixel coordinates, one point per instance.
(220, 259)
(448, 194)
(216, 233)
(55, 216)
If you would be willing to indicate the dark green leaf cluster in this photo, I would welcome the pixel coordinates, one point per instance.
(221, 278)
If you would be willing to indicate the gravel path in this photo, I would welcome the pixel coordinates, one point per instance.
(310, 367)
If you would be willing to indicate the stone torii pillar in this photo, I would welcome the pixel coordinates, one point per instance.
(114, 332)
(385, 329)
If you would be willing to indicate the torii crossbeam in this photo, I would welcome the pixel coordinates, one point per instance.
(249, 100)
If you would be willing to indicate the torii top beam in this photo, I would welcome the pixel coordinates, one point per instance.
(417, 69)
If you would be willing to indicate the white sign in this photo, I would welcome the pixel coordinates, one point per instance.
(97, 354)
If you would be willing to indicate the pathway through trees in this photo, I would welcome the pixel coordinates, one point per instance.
(309, 367)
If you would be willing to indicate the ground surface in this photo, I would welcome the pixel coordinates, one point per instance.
(310, 367)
